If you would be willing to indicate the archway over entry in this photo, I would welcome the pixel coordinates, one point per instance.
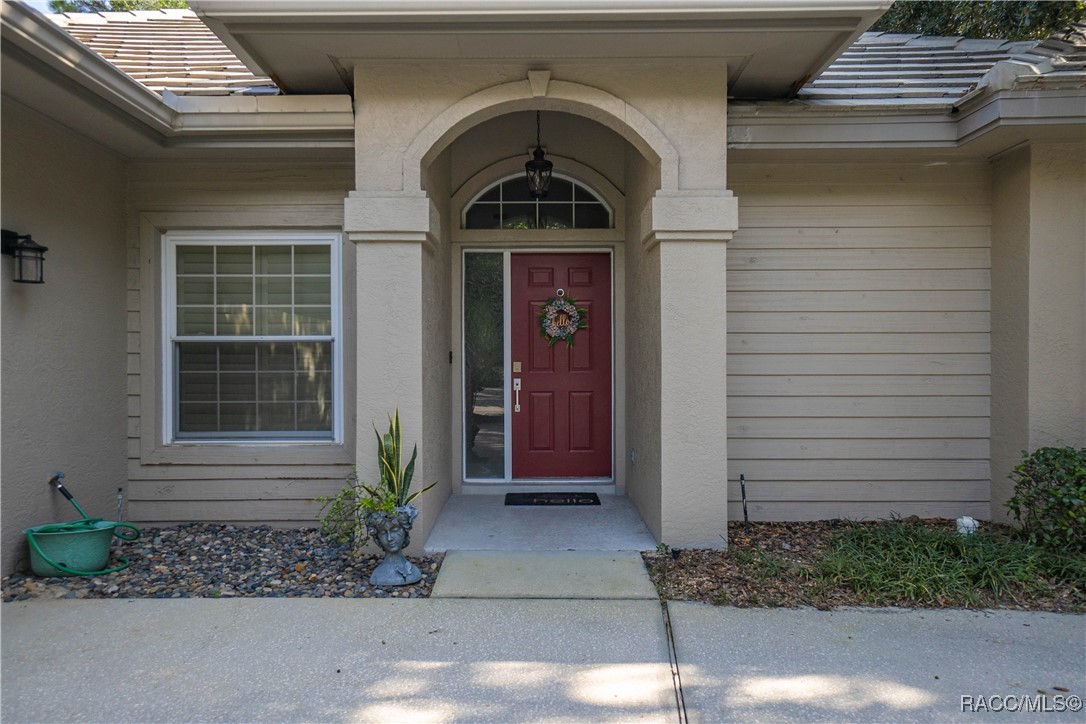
(539, 92)
(433, 136)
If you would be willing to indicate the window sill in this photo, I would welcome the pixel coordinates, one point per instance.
(317, 452)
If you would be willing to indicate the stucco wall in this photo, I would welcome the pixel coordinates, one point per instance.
(1057, 375)
(63, 342)
(1038, 306)
(694, 404)
(437, 370)
(642, 353)
(229, 483)
(687, 102)
(858, 340)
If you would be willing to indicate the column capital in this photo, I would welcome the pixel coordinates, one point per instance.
(394, 218)
(701, 215)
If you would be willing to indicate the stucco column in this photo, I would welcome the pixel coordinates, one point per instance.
(391, 235)
(1038, 306)
(691, 231)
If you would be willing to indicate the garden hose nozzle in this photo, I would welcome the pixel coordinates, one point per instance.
(55, 482)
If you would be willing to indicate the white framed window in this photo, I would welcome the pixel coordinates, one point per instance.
(252, 337)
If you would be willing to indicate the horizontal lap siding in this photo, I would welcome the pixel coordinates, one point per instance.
(235, 489)
(858, 341)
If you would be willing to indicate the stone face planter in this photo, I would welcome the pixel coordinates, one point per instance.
(391, 532)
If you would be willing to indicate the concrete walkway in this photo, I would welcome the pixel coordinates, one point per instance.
(501, 659)
(876, 665)
(291, 660)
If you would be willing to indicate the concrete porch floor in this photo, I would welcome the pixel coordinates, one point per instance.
(484, 522)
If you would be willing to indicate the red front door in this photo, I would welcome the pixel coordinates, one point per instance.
(563, 428)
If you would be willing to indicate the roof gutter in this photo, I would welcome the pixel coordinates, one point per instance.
(794, 126)
(503, 11)
(326, 116)
(36, 35)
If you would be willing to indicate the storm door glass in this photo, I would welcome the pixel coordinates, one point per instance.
(484, 366)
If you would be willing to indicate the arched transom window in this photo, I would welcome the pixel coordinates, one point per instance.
(507, 205)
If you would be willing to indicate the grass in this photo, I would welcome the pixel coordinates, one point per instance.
(909, 563)
(764, 566)
(897, 563)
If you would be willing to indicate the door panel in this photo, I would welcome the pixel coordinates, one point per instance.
(580, 417)
(541, 414)
(563, 429)
(580, 355)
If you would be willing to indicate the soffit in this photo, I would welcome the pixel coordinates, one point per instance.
(773, 48)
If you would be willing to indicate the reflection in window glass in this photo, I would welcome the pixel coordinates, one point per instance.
(484, 366)
(556, 216)
(285, 386)
(518, 216)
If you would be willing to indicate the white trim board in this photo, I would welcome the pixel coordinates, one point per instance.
(170, 240)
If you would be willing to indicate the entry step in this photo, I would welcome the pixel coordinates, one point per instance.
(617, 575)
(486, 523)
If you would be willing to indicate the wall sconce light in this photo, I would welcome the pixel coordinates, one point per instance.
(29, 257)
(538, 169)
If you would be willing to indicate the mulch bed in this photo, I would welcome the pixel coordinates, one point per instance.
(203, 560)
(770, 567)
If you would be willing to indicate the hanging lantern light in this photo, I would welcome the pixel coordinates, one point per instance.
(29, 257)
(539, 169)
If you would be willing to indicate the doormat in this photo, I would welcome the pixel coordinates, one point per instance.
(552, 499)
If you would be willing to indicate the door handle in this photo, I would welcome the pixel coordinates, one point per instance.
(516, 391)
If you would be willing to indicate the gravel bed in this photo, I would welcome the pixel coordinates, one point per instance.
(201, 560)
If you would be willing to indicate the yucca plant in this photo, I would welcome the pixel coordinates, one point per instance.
(343, 516)
(394, 489)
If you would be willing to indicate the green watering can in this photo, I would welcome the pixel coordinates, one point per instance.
(79, 548)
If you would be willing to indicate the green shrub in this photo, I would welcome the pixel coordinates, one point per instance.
(1050, 497)
(897, 563)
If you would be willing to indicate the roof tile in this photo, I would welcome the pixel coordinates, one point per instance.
(885, 68)
(165, 50)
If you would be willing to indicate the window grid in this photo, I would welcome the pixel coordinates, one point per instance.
(217, 309)
(262, 371)
(581, 196)
(277, 394)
